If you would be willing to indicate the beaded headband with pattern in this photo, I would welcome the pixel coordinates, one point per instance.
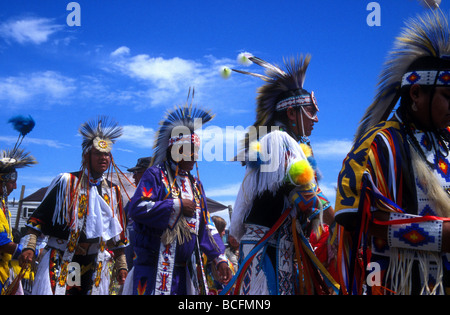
(185, 139)
(426, 77)
(298, 100)
(426, 36)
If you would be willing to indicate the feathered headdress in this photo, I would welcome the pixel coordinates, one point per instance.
(426, 36)
(283, 88)
(100, 133)
(11, 159)
(178, 128)
(431, 4)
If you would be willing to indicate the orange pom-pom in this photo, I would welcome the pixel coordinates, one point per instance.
(301, 173)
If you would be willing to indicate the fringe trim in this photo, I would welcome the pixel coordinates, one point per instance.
(399, 272)
(181, 232)
(280, 150)
(61, 213)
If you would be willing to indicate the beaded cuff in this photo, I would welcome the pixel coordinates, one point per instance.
(425, 236)
(29, 242)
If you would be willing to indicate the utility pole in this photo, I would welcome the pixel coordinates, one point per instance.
(19, 208)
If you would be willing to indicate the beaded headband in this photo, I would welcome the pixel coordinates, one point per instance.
(298, 100)
(185, 139)
(426, 77)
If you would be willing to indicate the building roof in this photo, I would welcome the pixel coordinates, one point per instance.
(214, 206)
(37, 195)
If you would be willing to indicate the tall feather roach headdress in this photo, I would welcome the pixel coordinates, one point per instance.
(423, 38)
(12, 159)
(178, 127)
(100, 133)
(283, 88)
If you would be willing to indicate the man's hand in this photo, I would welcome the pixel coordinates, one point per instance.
(224, 272)
(121, 276)
(26, 257)
(188, 208)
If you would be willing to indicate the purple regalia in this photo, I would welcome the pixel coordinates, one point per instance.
(168, 245)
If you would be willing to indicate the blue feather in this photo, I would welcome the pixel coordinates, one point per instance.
(22, 124)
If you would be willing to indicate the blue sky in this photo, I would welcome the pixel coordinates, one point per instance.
(133, 60)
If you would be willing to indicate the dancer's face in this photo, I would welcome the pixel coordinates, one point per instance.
(100, 161)
(440, 111)
(302, 119)
(10, 186)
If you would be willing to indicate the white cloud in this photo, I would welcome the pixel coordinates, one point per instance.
(30, 140)
(123, 50)
(226, 135)
(138, 135)
(230, 190)
(329, 190)
(49, 84)
(219, 143)
(46, 142)
(29, 30)
(163, 73)
(166, 79)
(332, 149)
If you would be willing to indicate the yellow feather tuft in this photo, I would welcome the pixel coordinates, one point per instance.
(306, 149)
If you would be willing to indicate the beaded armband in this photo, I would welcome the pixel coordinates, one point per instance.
(425, 236)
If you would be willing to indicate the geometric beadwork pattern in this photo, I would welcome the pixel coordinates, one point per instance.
(425, 142)
(427, 211)
(414, 235)
(443, 167)
(285, 282)
(246, 285)
(413, 77)
(444, 78)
